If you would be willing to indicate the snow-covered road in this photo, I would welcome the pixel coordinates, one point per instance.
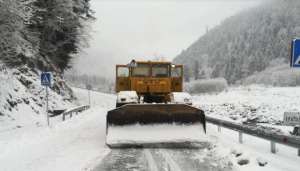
(163, 160)
(79, 144)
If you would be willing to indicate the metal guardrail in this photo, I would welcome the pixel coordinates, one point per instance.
(272, 136)
(74, 111)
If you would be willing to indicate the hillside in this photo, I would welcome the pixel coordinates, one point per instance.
(245, 43)
(22, 98)
(36, 36)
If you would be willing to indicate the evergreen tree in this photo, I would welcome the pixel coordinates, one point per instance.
(42, 33)
(15, 44)
(60, 25)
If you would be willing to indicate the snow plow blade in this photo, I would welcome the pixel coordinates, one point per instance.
(156, 125)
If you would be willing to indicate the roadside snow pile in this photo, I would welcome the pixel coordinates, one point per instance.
(253, 104)
(156, 134)
(22, 99)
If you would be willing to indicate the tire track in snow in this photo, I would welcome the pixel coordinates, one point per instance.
(195, 160)
(172, 165)
(151, 162)
(123, 160)
(164, 160)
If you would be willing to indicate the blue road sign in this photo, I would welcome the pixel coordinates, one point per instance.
(46, 79)
(295, 51)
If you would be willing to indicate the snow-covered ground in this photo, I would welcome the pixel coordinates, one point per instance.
(71, 145)
(22, 99)
(252, 104)
(79, 143)
(255, 150)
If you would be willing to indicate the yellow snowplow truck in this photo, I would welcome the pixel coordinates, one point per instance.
(151, 109)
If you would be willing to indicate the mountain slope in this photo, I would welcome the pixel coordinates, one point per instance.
(245, 43)
(22, 98)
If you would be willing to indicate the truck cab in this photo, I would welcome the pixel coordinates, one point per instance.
(152, 81)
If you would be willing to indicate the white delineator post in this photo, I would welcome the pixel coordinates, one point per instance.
(219, 128)
(89, 88)
(89, 94)
(273, 147)
(240, 137)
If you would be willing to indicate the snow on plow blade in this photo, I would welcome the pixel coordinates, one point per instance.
(156, 125)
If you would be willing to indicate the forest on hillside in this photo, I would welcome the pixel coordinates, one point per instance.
(43, 34)
(244, 44)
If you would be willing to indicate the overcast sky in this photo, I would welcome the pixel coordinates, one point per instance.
(144, 29)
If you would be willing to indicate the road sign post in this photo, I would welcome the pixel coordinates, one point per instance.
(47, 106)
(46, 81)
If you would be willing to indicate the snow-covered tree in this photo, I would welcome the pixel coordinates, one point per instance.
(42, 33)
(16, 43)
(61, 25)
(246, 43)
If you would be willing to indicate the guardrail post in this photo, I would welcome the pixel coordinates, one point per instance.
(273, 147)
(63, 117)
(240, 137)
(219, 128)
(71, 114)
(299, 152)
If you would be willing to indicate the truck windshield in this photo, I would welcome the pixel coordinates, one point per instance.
(123, 72)
(141, 70)
(176, 71)
(160, 70)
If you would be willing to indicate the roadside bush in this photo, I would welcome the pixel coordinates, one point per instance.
(279, 76)
(206, 86)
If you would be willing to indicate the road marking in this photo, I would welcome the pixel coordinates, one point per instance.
(172, 165)
(150, 160)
